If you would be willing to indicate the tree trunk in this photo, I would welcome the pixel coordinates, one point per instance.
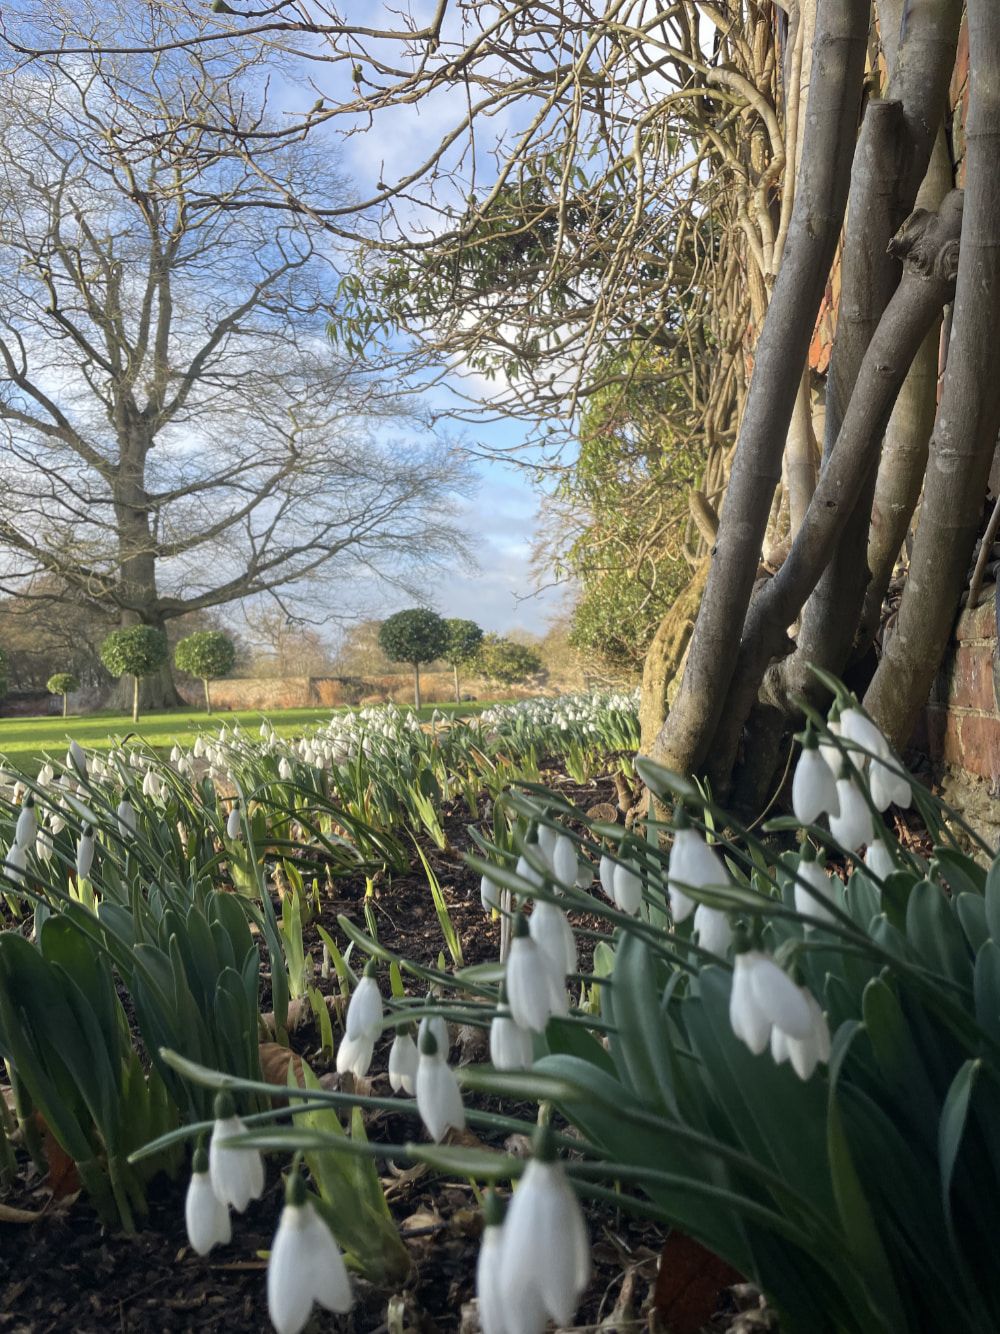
(458, 693)
(968, 420)
(65, 706)
(821, 197)
(135, 698)
(416, 685)
(208, 695)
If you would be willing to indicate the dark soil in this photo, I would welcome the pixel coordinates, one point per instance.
(66, 1272)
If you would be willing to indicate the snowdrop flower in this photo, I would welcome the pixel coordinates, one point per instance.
(565, 862)
(779, 999)
(56, 822)
(76, 759)
(175, 754)
(811, 898)
(547, 839)
(354, 1056)
(436, 1025)
(532, 992)
(491, 1299)
(234, 821)
(853, 827)
(606, 875)
(237, 1174)
(284, 769)
(84, 853)
(551, 932)
(46, 774)
(627, 889)
(150, 785)
(526, 870)
(403, 1058)
(511, 1048)
(806, 1053)
(814, 787)
(126, 818)
(879, 859)
(364, 1010)
(15, 862)
(439, 1099)
(888, 788)
(205, 1216)
(584, 874)
(27, 824)
(545, 1254)
(713, 930)
(858, 727)
(692, 864)
(305, 1266)
(489, 894)
(43, 845)
(746, 1017)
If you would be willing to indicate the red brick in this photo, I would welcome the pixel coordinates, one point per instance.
(944, 744)
(969, 678)
(980, 745)
(979, 622)
(960, 78)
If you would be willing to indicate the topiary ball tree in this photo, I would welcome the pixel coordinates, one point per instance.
(506, 661)
(62, 683)
(206, 654)
(414, 636)
(137, 651)
(464, 638)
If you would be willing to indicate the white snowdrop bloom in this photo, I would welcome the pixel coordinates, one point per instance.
(284, 769)
(489, 894)
(511, 1048)
(175, 754)
(364, 1010)
(150, 785)
(491, 1299)
(584, 874)
(817, 879)
(858, 727)
(606, 875)
(778, 998)
(46, 774)
(879, 860)
(779, 1046)
(713, 930)
(552, 933)
(832, 754)
(888, 788)
(44, 846)
(205, 1216)
(547, 839)
(627, 889)
(98, 768)
(439, 1099)
(85, 853)
(565, 862)
(305, 1266)
(814, 787)
(436, 1025)
(76, 759)
(126, 818)
(526, 870)
(403, 1058)
(354, 1056)
(692, 864)
(545, 1255)
(529, 980)
(234, 821)
(15, 862)
(237, 1174)
(853, 827)
(198, 749)
(814, 1049)
(27, 824)
(56, 823)
(746, 1017)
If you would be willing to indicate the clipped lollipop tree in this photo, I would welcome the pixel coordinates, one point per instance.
(464, 639)
(137, 651)
(207, 654)
(414, 636)
(63, 683)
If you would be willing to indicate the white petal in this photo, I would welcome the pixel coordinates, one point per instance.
(748, 1021)
(779, 998)
(491, 1299)
(814, 788)
(205, 1216)
(627, 890)
(489, 894)
(511, 1047)
(853, 827)
(364, 1011)
(552, 933)
(439, 1099)
(528, 987)
(546, 1250)
(355, 1056)
(403, 1059)
(331, 1287)
(712, 929)
(289, 1290)
(879, 860)
(565, 862)
(606, 873)
(820, 880)
(237, 1174)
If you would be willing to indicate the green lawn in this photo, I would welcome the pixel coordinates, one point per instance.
(24, 741)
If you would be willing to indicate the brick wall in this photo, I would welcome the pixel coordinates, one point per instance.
(963, 716)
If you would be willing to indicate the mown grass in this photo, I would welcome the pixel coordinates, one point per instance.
(24, 742)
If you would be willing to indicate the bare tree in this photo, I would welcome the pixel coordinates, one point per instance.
(178, 431)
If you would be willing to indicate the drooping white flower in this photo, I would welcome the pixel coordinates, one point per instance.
(853, 827)
(354, 1056)
(234, 821)
(627, 889)
(15, 862)
(814, 1049)
(811, 898)
(713, 930)
(746, 1017)
(439, 1099)
(126, 818)
(511, 1047)
(46, 774)
(76, 759)
(305, 1267)
(489, 894)
(436, 1025)
(529, 871)
(879, 860)
(205, 1216)
(27, 824)
(858, 727)
(545, 1255)
(547, 838)
(284, 769)
(887, 787)
(236, 1173)
(491, 1299)
(531, 992)
(565, 863)
(814, 787)
(606, 874)
(364, 1010)
(692, 864)
(403, 1058)
(584, 874)
(84, 853)
(44, 847)
(778, 998)
(552, 933)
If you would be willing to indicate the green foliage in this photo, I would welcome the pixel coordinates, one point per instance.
(506, 661)
(138, 650)
(464, 639)
(63, 683)
(416, 635)
(206, 653)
